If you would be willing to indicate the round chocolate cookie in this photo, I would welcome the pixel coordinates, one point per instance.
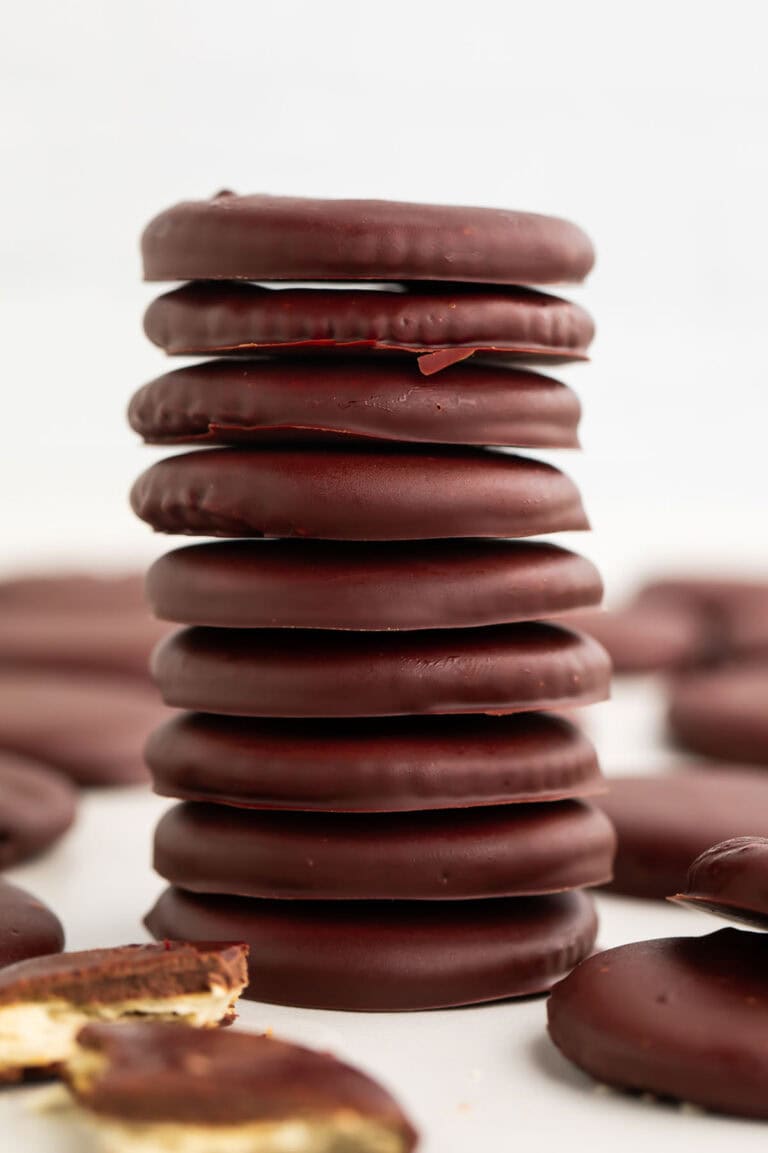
(368, 586)
(647, 638)
(505, 851)
(664, 822)
(324, 400)
(723, 713)
(682, 1017)
(731, 880)
(76, 592)
(37, 806)
(440, 325)
(356, 494)
(27, 927)
(90, 728)
(733, 611)
(293, 238)
(360, 765)
(79, 640)
(306, 673)
(389, 956)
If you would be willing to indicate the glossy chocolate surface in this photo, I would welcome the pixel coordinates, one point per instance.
(682, 1017)
(369, 585)
(440, 325)
(390, 765)
(731, 881)
(723, 713)
(295, 238)
(391, 955)
(27, 927)
(306, 673)
(664, 822)
(37, 806)
(356, 494)
(502, 851)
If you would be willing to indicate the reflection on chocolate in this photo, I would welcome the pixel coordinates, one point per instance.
(731, 881)
(27, 927)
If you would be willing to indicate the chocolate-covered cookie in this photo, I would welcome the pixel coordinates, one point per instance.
(27, 927)
(391, 955)
(83, 640)
(733, 611)
(376, 585)
(327, 400)
(166, 1087)
(682, 1017)
(440, 325)
(723, 713)
(77, 592)
(310, 673)
(356, 494)
(664, 822)
(295, 238)
(368, 765)
(647, 638)
(504, 851)
(37, 806)
(731, 881)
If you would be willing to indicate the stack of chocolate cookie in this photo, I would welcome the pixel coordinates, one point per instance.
(366, 682)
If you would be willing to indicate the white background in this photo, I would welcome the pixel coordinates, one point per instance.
(645, 122)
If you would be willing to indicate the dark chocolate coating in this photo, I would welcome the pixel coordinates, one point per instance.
(731, 881)
(327, 400)
(733, 611)
(153, 1072)
(306, 673)
(27, 927)
(127, 972)
(723, 713)
(440, 325)
(295, 238)
(76, 592)
(312, 584)
(647, 638)
(391, 955)
(505, 851)
(682, 1017)
(89, 727)
(390, 765)
(664, 822)
(37, 806)
(356, 494)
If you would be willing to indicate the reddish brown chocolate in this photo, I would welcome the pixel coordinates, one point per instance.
(324, 400)
(683, 1018)
(356, 494)
(723, 713)
(505, 851)
(78, 592)
(733, 611)
(390, 765)
(125, 973)
(90, 728)
(81, 641)
(169, 1073)
(440, 325)
(731, 881)
(27, 927)
(305, 673)
(391, 955)
(664, 822)
(37, 806)
(647, 638)
(293, 238)
(312, 584)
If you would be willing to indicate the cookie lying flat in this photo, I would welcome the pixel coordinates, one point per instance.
(390, 765)
(150, 1087)
(37, 806)
(733, 611)
(296, 238)
(27, 927)
(664, 822)
(731, 881)
(79, 641)
(723, 713)
(44, 1002)
(372, 585)
(439, 325)
(512, 850)
(647, 638)
(391, 956)
(682, 1017)
(322, 400)
(89, 727)
(303, 672)
(356, 494)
